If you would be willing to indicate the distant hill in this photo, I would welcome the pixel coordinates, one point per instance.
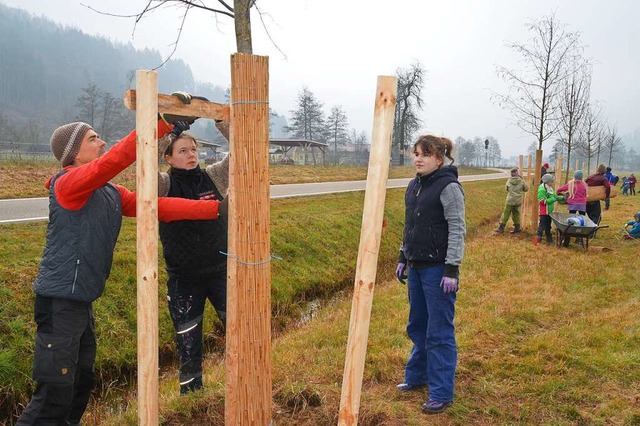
(44, 68)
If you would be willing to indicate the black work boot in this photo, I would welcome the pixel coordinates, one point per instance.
(500, 229)
(516, 229)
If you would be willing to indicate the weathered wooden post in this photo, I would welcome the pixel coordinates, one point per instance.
(248, 398)
(147, 245)
(370, 234)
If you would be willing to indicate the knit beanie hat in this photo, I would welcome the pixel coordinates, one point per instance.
(547, 178)
(66, 141)
(514, 172)
(545, 165)
(578, 175)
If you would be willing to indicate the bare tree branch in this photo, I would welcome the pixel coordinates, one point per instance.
(533, 91)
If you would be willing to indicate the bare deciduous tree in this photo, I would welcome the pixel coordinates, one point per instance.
(88, 104)
(612, 143)
(240, 12)
(534, 90)
(408, 104)
(589, 133)
(337, 129)
(574, 101)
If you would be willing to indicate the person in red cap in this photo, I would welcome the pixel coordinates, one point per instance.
(85, 215)
(543, 170)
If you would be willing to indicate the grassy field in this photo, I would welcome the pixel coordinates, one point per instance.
(545, 336)
(26, 179)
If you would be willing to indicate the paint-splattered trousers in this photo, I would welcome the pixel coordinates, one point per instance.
(186, 299)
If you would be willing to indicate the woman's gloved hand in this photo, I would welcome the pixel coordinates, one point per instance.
(401, 273)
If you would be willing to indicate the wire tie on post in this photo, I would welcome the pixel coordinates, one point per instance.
(250, 103)
(233, 256)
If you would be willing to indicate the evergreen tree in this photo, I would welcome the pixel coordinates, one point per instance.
(307, 121)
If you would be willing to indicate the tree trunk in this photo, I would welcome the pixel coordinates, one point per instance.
(242, 18)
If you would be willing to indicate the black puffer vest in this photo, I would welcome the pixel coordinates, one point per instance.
(192, 247)
(426, 232)
(77, 259)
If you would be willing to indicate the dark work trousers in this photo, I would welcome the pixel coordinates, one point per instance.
(594, 211)
(545, 225)
(63, 362)
(186, 299)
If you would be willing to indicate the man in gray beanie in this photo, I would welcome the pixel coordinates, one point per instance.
(66, 141)
(85, 214)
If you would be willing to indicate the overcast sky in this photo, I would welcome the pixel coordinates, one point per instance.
(337, 48)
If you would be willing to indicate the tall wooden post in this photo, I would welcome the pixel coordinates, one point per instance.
(147, 245)
(148, 103)
(248, 352)
(577, 165)
(523, 207)
(534, 193)
(533, 188)
(370, 234)
(558, 171)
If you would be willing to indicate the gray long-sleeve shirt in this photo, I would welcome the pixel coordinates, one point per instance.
(452, 199)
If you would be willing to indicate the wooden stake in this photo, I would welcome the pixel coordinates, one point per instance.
(523, 207)
(147, 245)
(532, 189)
(534, 192)
(370, 234)
(558, 171)
(248, 344)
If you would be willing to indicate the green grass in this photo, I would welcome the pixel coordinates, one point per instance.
(545, 335)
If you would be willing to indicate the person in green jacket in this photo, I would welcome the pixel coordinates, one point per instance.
(516, 187)
(546, 202)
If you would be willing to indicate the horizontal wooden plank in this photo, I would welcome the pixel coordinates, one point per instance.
(172, 105)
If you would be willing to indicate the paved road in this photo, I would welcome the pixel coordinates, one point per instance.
(37, 209)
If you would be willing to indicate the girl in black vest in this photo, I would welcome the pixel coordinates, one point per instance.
(431, 253)
(193, 250)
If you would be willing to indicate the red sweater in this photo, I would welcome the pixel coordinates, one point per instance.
(74, 188)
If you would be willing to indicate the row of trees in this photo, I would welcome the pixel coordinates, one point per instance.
(478, 152)
(550, 97)
(308, 119)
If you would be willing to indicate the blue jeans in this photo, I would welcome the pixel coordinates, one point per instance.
(434, 355)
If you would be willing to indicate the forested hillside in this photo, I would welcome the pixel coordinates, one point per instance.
(45, 69)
